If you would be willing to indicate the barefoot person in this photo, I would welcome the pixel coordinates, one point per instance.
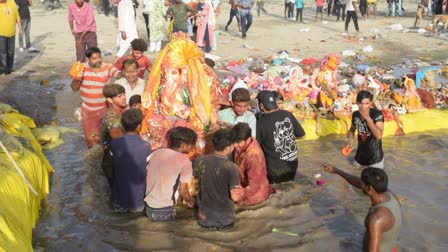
(83, 26)
(369, 123)
(383, 222)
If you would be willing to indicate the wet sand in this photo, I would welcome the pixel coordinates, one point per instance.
(77, 216)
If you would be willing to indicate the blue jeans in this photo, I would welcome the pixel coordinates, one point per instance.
(7, 46)
(246, 21)
(161, 214)
(26, 23)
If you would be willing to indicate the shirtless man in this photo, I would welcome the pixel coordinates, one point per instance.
(383, 222)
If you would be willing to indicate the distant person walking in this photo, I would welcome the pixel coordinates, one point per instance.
(9, 17)
(83, 26)
(245, 11)
(233, 13)
(351, 14)
(25, 20)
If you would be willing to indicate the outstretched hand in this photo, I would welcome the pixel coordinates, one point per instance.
(328, 168)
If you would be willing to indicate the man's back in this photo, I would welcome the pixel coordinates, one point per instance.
(166, 168)
(129, 154)
(217, 176)
(389, 238)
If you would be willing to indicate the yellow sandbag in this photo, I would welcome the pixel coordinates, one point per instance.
(15, 211)
(6, 108)
(46, 134)
(19, 125)
(19, 206)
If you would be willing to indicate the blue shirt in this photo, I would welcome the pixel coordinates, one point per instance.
(299, 4)
(129, 154)
(228, 115)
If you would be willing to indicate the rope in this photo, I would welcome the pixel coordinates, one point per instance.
(18, 169)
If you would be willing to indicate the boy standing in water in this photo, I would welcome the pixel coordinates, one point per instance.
(369, 123)
(111, 126)
(129, 154)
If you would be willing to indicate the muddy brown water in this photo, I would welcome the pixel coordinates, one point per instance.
(77, 216)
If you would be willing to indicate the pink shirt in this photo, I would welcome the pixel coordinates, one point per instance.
(320, 3)
(83, 17)
(165, 167)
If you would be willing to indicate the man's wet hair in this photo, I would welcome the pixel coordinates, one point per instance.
(181, 135)
(242, 131)
(240, 95)
(209, 62)
(223, 138)
(363, 95)
(135, 99)
(131, 119)
(375, 178)
(129, 62)
(277, 95)
(112, 90)
(92, 50)
(139, 44)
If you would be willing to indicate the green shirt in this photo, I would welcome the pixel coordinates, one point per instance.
(111, 120)
(179, 12)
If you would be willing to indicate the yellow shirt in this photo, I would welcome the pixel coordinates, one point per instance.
(9, 15)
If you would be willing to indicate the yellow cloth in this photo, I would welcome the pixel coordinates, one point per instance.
(9, 15)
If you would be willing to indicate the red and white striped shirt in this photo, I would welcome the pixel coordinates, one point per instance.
(92, 86)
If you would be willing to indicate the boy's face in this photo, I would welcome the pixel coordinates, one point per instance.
(137, 105)
(130, 72)
(365, 104)
(119, 100)
(137, 54)
(240, 107)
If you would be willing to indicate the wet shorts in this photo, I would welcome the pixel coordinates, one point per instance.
(319, 9)
(161, 214)
(371, 5)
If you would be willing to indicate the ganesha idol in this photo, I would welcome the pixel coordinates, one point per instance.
(181, 91)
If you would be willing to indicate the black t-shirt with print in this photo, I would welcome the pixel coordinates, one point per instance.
(370, 149)
(217, 176)
(276, 134)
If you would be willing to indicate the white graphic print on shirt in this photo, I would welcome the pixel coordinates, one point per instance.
(284, 140)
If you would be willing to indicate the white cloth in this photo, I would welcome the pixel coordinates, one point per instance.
(238, 84)
(126, 23)
(129, 92)
(350, 6)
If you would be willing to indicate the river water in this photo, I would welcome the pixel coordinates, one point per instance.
(77, 216)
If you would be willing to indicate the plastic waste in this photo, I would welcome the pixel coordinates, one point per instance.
(275, 230)
(368, 49)
(395, 27)
(348, 53)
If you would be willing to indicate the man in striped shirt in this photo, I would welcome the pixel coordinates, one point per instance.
(96, 74)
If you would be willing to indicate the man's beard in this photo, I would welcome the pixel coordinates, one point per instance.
(97, 65)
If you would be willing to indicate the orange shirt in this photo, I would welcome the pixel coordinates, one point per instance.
(143, 64)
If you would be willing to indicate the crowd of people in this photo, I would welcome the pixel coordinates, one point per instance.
(252, 148)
